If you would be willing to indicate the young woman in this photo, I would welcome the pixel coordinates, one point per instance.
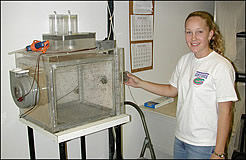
(204, 82)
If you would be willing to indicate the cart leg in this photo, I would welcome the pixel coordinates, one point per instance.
(63, 150)
(83, 150)
(31, 142)
(111, 143)
(118, 141)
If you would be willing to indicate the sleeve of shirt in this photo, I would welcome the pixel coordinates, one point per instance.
(225, 83)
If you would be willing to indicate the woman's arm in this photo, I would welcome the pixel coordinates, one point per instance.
(159, 89)
(224, 126)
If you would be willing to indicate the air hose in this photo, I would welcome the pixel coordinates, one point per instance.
(147, 141)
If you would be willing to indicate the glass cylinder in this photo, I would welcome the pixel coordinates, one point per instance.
(70, 24)
(56, 24)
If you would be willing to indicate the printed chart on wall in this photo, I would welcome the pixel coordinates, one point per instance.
(141, 17)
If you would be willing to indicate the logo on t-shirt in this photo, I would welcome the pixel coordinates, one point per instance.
(200, 77)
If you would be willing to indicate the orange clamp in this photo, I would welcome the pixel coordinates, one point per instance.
(42, 49)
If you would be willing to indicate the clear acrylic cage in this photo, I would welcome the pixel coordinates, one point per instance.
(61, 90)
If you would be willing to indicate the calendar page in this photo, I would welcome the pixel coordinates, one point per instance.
(141, 27)
(141, 55)
(142, 7)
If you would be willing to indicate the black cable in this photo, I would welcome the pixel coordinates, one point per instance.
(111, 37)
(110, 21)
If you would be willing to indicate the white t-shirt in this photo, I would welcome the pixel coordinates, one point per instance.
(201, 84)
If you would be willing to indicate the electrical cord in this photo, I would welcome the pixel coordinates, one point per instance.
(112, 26)
(132, 104)
(36, 74)
(68, 93)
(111, 23)
(114, 156)
(79, 50)
(132, 95)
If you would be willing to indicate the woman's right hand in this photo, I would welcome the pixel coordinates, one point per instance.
(133, 81)
(159, 89)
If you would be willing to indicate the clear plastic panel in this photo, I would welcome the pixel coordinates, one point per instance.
(84, 93)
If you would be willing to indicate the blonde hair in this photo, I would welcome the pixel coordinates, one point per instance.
(216, 43)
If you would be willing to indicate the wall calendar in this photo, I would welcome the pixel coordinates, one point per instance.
(141, 17)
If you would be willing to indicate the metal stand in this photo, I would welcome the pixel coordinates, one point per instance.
(83, 149)
(111, 143)
(63, 150)
(31, 142)
(118, 142)
(80, 132)
(115, 144)
(63, 145)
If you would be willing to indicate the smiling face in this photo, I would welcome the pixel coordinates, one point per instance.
(197, 36)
